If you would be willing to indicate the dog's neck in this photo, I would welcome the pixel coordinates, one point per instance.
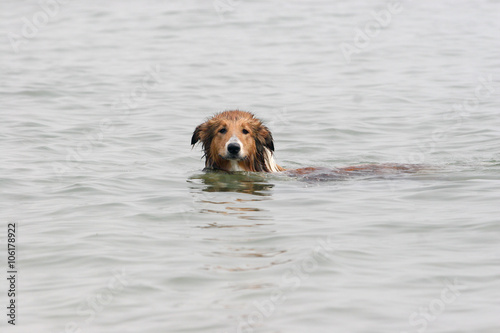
(235, 166)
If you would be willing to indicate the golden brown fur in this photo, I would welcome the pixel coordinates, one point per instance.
(256, 142)
(255, 147)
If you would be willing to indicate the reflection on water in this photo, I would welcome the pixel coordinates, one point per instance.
(206, 187)
(242, 182)
(249, 252)
(209, 191)
(217, 225)
(247, 267)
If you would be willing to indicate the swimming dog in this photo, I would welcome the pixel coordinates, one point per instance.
(238, 141)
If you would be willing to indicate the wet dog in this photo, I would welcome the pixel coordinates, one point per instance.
(238, 141)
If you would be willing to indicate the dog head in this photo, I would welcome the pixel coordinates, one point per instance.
(235, 141)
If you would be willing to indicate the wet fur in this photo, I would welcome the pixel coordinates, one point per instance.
(259, 147)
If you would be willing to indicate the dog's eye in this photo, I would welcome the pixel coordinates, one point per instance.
(245, 131)
(222, 130)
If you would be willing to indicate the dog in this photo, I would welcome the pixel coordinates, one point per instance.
(238, 141)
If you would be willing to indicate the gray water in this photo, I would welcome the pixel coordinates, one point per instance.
(119, 230)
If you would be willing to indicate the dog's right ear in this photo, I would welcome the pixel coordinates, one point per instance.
(196, 135)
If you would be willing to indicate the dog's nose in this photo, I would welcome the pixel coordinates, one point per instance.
(233, 148)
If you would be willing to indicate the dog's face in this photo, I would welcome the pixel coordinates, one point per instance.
(232, 140)
(233, 136)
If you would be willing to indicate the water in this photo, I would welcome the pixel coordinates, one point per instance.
(119, 230)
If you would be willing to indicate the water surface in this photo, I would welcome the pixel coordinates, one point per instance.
(121, 231)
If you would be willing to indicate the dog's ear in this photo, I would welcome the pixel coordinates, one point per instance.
(196, 134)
(269, 141)
(265, 137)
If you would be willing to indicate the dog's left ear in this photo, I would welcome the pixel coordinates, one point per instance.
(196, 134)
(266, 137)
(269, 141)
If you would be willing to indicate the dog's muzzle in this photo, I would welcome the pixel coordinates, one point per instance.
(233, 148)
(233, 151)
